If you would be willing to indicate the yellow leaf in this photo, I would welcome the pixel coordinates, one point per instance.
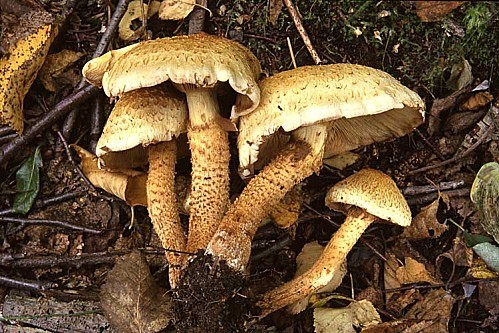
(19, 69)
(176, 9)
(55, 65)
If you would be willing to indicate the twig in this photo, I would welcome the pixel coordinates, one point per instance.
(280, 244)
(268, 39)
(75, 166)
(60, 109)
(50, 201)
(426, 199)
(291, 52)
(26, 284)
(455, 158)
(55, 223)
(428, 143)
(301, 30)
(7, 138)
(104, 42)
(96, 123)
(424, 189)
(197, 17)
(5, 130)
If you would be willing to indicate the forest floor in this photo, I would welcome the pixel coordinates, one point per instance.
(63, 248)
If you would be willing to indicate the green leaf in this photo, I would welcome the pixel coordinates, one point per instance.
(489, 253)
(28, 183)
(474, 239)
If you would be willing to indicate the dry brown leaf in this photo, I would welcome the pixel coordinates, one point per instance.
(425, 224)
(304, 261)
(414, 272)
(128, 28)
(476, 101)
(433, 11)
(488, 294)
(127, 184)
(176, 9)
(481, 271)
(460, 76)
(436, 308)
(460, 122)
(131, 300)
(460, 254)
(275, 9)
(20, 67)
(55, 64)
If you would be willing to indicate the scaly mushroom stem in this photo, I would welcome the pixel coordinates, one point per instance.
(162, 204)
(210, 156)
(232, 241)
(324, 268)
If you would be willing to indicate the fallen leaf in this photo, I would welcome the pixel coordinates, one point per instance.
(485, 196)
(460, 76)
(414, 272)
(459, 254)
(275, 9)
(341, 161)
(476, 101)
(131, 25)
(488, 294)
(343, 320)
(127, 184)
(489, 253)
(459, 122)
(55, 65)
(435, 308)
(425, 224)
(441, 105)
(304, 261)
(176, 9)
(131, 300)
(433, 11)
(28, 183)
(19, 68)
(482, 272)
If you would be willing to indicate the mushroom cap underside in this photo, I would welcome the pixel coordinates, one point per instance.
(380, 105)
(142, 117)
(200, 59)
(373, 191)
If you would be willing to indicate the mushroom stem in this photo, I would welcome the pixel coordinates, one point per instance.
(324, 268)
(232, 241)
(210, 167)
(162, 204)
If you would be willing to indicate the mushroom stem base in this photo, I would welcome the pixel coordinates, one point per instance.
(162, 204)
(324, 268)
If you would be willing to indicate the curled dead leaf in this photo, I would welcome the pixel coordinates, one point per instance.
(176, 9)
(476, 101)
(425, 224)
(55, 64)
(129, 28)
(20, 67)
(127, 184)
(433, 11)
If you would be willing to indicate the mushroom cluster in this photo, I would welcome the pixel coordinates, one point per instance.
(287, 124)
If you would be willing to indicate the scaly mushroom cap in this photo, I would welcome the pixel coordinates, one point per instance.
(141, 117)
(94, 70)
(199, 59)
(361, 105)
(372, 191)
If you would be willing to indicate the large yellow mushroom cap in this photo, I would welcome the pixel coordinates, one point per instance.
(202, 60)
(142, 117)
(333, 94)
(373, 191)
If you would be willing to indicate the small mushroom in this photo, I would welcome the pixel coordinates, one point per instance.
(332, 109)
(196, 64)
(364, 197)
(145, 123)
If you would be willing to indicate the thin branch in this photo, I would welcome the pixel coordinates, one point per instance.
(424, 189)
(428, 198)
(301, 30)
(96, 123)
(101, 48)
(25, 284)
(455, 158)
(54, 223)
(60, 109)
(49, 201)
